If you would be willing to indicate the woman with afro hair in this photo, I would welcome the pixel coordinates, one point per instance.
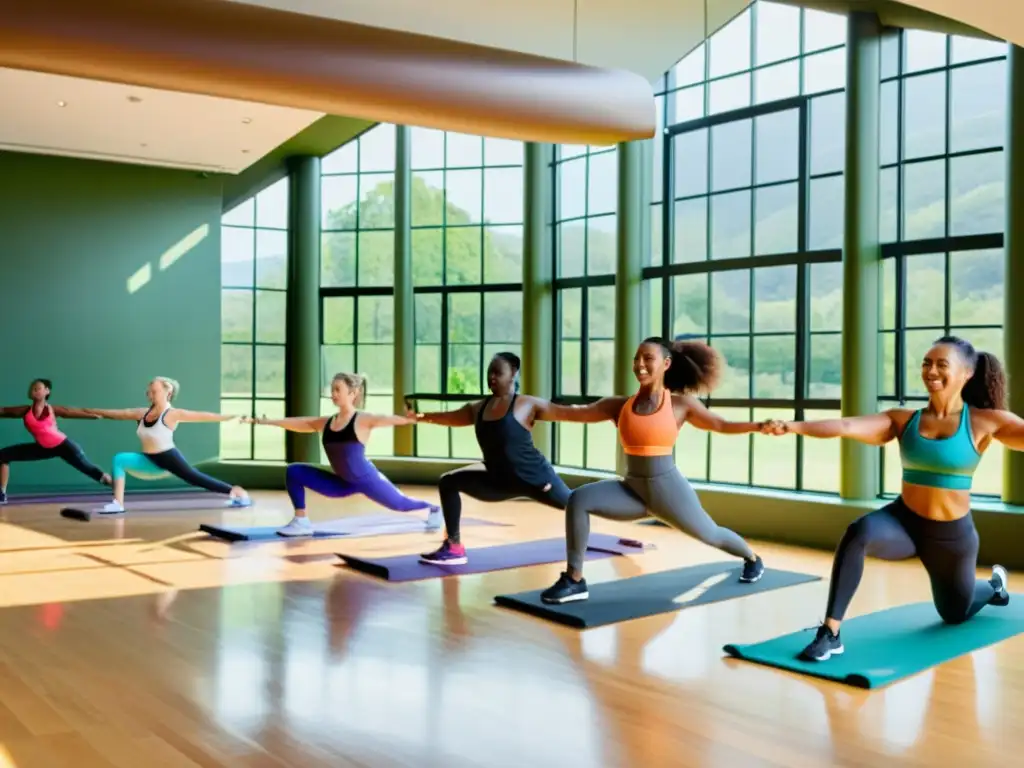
(670, 374)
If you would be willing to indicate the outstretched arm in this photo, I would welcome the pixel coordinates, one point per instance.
(125, 414)
(74, 413)
(292, 423)
(702, 418)
(13, 411)
(463, 417)
(178, 416)
(1009, 429)
(605, 409)
(374, 420)
(876, 429)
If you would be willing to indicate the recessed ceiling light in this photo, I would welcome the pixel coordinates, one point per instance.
(134, 99)
(62, 103)
(246, 120)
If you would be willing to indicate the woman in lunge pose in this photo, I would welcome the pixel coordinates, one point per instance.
(670, 374)
(159, 457)
(344, 437)
(50, 443)
(512, 466)
(940, 447)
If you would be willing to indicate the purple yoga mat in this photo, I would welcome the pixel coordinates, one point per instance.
(486, 559)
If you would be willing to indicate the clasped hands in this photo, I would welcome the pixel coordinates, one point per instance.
(775, 427)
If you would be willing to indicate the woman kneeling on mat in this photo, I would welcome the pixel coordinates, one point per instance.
(512, 465)
(648, 425)
(160, 458)
(344, 437)
(50, 443)
(940, 447)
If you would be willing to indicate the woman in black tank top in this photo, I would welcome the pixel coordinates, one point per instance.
(512, 466)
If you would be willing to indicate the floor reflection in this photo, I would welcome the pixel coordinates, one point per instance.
(274, 655)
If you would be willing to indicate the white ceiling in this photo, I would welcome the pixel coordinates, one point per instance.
(210, 134)
(100, 121)
(143, 126)
(642, 36)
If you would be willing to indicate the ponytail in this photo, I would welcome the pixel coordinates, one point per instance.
(695, 368)
(354, 381)
(171, 386)
(987, 386)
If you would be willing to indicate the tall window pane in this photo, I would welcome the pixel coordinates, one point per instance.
(254, 269)
(467, 252)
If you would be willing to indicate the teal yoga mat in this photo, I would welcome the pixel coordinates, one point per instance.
(890, 645)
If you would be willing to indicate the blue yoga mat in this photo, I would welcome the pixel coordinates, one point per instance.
(350, 527)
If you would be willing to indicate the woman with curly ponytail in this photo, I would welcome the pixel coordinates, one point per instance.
(940, 446)
(671, 375)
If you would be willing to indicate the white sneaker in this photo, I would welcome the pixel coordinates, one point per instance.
(435, 519)
(112, 508)
(1000, 579)
(299, 526)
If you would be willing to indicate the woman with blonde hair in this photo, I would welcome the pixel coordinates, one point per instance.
(345, 434)
(159, 457)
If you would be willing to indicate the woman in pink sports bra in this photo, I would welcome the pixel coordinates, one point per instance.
(50, 443)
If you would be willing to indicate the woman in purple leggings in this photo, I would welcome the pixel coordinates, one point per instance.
(344, 436)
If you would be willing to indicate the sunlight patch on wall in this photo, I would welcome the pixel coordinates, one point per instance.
(183, 246)
(142, 276)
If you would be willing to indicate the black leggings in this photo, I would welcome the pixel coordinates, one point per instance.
(171, 461)
(482, 484)
(69, 451)
(947, 550)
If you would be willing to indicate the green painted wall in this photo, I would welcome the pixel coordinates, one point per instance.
(72, 235)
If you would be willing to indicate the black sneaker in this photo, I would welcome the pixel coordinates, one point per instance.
(753, 570)
(825, 646)
(3, 497)
(565, 590)
(999, 580)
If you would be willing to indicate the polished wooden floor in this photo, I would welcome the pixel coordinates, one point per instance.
(138, 643)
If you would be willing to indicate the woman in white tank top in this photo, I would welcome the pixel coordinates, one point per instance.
(159, 457)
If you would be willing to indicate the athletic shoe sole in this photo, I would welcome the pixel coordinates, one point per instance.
(569, 599)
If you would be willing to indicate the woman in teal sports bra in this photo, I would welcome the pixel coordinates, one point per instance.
(940, 447)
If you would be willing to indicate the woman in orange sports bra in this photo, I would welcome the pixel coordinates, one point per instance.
(670, 374)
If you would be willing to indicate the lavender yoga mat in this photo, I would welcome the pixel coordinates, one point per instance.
(350, 527)
(497, 558)
(102, 497)
(86, 512)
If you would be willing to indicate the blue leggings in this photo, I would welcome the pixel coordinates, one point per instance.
(374, 486)
(157, 466)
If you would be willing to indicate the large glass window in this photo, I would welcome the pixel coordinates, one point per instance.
(942, 205)
(467, 254)
(254, 271)
(748, 201)
(357, 265)
(585, 242)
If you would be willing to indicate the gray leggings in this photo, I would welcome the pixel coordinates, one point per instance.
(653, 487)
